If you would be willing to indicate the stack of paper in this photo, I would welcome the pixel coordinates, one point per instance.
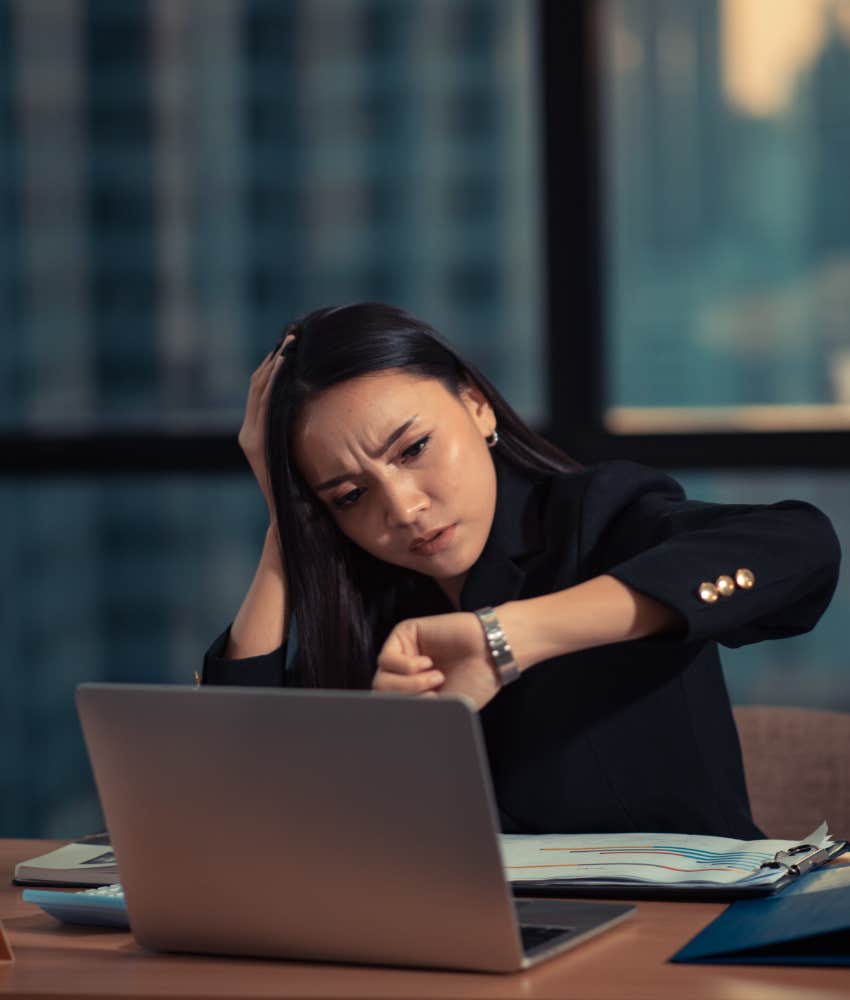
(660, 860)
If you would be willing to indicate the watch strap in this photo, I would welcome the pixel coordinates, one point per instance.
(504, 663)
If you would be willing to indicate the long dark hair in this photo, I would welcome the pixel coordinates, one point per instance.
(339, 593)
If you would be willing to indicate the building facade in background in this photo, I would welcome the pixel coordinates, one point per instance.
(183, 177)
(727, 133)
(178, 180)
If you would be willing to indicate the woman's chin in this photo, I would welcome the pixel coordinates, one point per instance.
(448, 571)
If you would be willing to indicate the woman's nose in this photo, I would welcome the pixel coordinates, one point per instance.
(404, 502)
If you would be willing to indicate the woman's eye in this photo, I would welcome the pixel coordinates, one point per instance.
(416, 449)
(348, 500)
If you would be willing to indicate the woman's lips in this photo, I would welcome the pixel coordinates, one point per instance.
(438, 544)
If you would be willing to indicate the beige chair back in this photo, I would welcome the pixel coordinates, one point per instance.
(797, 765)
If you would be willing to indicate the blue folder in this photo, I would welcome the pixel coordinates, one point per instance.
(808, 924)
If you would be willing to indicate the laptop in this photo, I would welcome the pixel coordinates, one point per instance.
(314, 825)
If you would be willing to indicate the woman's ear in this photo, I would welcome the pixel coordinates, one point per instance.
(478, 406)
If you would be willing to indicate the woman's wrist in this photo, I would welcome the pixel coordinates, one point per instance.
(596, 612)
(527, 643)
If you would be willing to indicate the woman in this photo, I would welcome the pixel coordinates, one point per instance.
(406, 498)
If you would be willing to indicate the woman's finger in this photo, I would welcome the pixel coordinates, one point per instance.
(400, 663)
(274, 355)
(394, 684)
(262, 379)
(270, 362)
(416, 684)
(273, 370)
(263, 364)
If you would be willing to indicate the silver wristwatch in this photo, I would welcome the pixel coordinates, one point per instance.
(503, 658)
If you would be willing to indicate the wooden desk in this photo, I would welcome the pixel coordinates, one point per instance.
(629, 961)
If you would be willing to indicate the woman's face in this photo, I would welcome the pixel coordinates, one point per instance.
(395, 458)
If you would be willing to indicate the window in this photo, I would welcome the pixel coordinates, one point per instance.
(724, 140)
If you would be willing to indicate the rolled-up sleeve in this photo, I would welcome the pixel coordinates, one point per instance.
(735, 573)
(268, 670)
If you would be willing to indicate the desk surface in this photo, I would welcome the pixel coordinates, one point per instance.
(630, 961)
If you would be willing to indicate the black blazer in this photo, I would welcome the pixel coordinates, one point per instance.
(633, 736)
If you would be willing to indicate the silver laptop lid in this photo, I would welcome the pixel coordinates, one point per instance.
(349, 826)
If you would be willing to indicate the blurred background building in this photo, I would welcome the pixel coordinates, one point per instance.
(180, 178)
(728, 226)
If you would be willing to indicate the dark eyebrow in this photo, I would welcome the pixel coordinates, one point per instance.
(391, 440)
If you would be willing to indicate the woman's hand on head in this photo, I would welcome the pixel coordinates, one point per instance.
(252, 434)
(441, 654)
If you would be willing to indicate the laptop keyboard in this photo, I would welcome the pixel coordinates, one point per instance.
(534, 936)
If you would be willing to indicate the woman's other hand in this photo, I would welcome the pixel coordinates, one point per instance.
(252, 434)
(441, 654)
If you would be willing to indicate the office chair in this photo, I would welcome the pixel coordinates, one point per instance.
(797, 766)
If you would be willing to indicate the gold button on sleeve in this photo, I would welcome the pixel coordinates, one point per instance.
(745, 578)
(725, 586)
(707, 592)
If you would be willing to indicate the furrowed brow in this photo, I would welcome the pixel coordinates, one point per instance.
(396, 434)
(385, 447)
